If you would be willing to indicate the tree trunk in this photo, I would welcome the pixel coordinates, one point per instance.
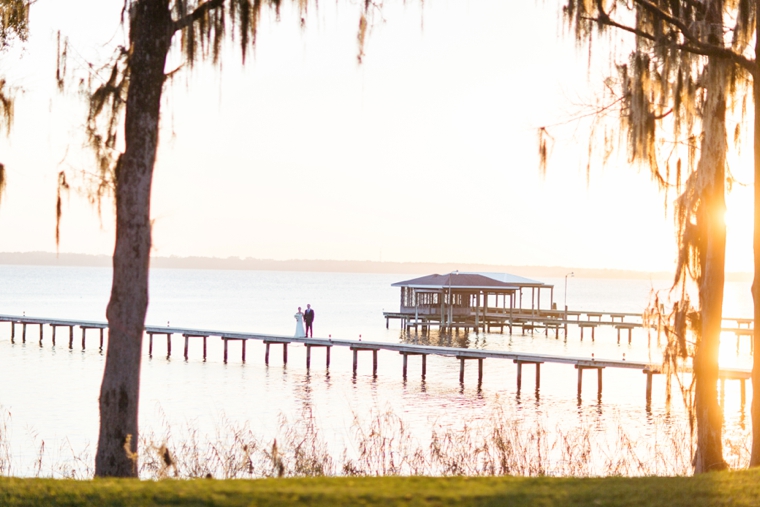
(150, 37)
(754, 459)
(712, 251)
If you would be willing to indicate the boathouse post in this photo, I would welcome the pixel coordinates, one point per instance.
(53, 326)
(13, 331)
(41, 333)
(23, 332)
(71, 337)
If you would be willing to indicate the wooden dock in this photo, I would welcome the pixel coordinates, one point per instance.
(553, 321)
(463, 355)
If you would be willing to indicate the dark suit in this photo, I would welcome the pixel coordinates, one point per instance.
(308, 318)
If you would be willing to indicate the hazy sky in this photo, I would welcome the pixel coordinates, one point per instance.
(425, 152)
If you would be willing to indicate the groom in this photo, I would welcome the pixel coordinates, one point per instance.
(308, 318)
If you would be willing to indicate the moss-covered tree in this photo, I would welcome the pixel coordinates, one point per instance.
(687, 65)
(136, 82)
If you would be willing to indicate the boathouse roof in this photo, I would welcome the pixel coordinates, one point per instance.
(511, 279)
(503, 281)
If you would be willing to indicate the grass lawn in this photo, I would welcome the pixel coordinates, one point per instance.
(729, 488)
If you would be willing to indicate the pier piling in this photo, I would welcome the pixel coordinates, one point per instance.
(405, 360)
(99, 327)
(356, 349)
(308, 353)
(55, 327)
(227, 339)
(284, 344)
(168, 342)
(187, 343)
(598, 369)
(462, 359)
(519, 364)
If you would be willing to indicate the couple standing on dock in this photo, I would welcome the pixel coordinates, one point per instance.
(304, 317)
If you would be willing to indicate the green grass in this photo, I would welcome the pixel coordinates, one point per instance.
(729, 489)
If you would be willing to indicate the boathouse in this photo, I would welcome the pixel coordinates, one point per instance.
(470, 299)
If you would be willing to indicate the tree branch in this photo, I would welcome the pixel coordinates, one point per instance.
(694, 45)
(197, 14)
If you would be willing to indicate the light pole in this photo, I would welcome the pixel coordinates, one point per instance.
(571, 274)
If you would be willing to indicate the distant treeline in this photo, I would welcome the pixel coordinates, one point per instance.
(421, 268)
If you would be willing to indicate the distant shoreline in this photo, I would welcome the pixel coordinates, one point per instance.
(235, 263)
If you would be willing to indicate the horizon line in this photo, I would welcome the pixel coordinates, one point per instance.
(333, 265)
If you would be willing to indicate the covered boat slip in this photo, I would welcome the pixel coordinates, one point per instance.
(472, 300)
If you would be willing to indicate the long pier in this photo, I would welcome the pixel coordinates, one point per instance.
(463, 355)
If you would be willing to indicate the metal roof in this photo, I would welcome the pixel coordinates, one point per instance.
(510, 278)
(455, 281)
(504, 281)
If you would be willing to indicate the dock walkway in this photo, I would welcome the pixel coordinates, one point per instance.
(519, 358)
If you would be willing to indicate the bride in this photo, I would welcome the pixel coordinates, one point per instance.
(299, 324)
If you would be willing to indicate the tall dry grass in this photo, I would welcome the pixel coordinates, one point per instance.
(383, 444)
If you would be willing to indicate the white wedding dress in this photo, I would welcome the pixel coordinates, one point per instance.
(300, 333)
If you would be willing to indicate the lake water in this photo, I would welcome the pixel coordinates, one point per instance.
(49, 394)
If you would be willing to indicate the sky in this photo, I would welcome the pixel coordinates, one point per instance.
(425, 152)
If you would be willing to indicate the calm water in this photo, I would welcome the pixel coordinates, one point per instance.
(50, 394)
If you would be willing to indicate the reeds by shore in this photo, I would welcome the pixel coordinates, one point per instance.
(382, 445)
